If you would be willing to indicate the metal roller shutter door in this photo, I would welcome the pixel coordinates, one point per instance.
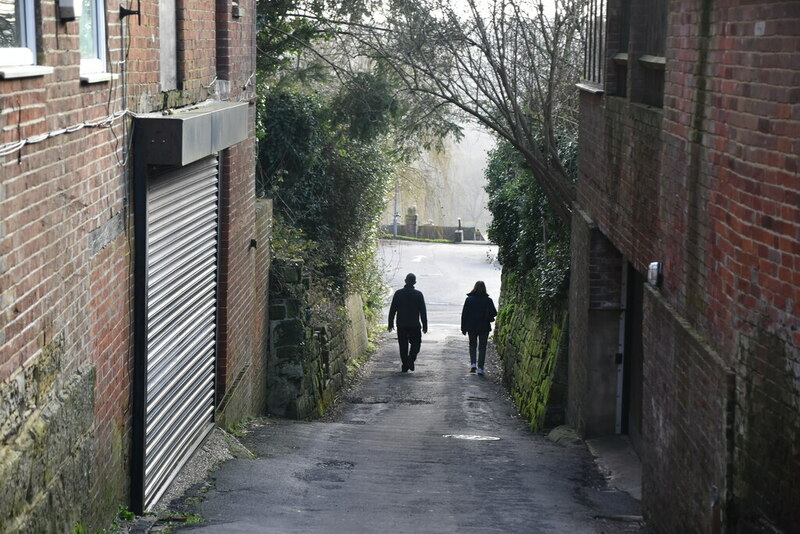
(182, 220)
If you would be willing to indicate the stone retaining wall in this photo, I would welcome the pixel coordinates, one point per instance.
(308, 362)
(534, 355)
(47, 445)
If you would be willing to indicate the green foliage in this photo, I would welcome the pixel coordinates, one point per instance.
(239, 428)
(367, 105)
(533, 243)
(280, 35)
(124, 514)
(329, 180)
(194, 519)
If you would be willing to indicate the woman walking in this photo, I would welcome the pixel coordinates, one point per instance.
(476, 318)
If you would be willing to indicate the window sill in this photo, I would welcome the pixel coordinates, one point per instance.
(621, 58)
(589, 87)
(26, 71)
(98, 77)
(653, 62)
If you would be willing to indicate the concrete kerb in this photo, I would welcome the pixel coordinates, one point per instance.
(614, 456)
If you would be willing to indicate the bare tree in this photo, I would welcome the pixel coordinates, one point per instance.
(509, 64)
(509, 68)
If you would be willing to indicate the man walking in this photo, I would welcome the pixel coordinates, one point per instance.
(409, 306)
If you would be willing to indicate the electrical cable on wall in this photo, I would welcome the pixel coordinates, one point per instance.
(105, 122)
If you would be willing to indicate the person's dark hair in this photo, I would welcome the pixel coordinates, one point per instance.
(479, 289)
(411, 279)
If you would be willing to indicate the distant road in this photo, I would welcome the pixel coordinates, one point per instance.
(445, 274)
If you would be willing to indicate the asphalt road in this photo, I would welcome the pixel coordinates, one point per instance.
(437, 450)
(445, 274)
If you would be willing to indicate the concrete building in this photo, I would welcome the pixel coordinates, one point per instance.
(133, 257)
(685, 297)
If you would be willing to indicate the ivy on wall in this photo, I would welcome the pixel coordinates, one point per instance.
(533, 242)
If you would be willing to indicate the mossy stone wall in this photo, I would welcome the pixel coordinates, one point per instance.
(533, 348)
(48, 446)
(308, 361)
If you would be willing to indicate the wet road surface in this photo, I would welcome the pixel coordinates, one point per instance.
(432, 451)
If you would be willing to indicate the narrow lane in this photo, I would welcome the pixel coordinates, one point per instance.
(445, 274)
(395, 458)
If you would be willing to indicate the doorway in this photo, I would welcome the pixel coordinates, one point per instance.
(633, 359)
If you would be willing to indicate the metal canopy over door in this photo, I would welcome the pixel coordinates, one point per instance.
(179, 334)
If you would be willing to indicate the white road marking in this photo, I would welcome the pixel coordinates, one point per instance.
(471, 437)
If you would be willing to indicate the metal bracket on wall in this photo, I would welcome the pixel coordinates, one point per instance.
(124, 12)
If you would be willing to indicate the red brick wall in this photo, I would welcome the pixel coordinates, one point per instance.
(240, 386)
(238, 300)
(621, 185)
(752, 146)
(66, 229)
(65, 270)
(709, 186)
(687, 425)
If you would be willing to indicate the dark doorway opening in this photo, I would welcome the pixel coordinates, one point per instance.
(633, 360)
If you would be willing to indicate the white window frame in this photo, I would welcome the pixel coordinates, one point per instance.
(90, 67)
(25, 55)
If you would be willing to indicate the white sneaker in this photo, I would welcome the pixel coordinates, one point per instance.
(480, 370)
(472, 368)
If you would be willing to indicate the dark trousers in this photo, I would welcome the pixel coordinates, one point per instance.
(478, 340)
(409, 335)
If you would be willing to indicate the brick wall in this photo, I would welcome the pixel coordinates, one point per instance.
(594, 313)
(736, 74)
(621, 186)
(708, 185)
(580, 235)
(65, 280)
(66, 275)
(687, 424)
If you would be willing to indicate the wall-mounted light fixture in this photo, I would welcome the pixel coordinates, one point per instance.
(69, 9)
(236, 10)
(655, 273)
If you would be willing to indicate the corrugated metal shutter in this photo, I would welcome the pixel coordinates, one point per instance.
(182, 219)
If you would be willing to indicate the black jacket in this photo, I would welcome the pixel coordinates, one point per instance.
(409, 305)
(477, 313)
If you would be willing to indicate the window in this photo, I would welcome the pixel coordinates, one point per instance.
(595, 28)
(619, 85)
(17, 37)
(649, 43)
(93, 41)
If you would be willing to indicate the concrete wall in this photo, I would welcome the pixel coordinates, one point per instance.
(533, 349)
(707, 185)
(66, 275)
